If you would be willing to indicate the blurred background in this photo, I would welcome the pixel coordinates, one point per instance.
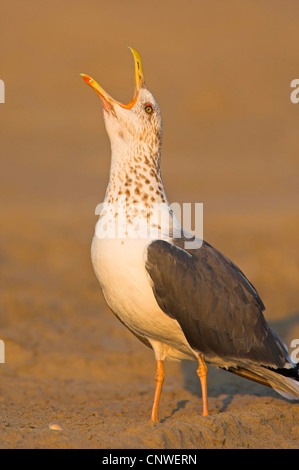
(221, 74)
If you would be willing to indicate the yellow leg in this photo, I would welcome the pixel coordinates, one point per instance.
(159, 379)
(202, 374)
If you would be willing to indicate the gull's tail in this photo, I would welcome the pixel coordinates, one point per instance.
(284, 381)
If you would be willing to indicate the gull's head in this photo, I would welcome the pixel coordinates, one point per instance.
(137, 123)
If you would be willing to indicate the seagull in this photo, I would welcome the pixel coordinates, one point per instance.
(183, 302)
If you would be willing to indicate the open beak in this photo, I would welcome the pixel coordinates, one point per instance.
(107, 100)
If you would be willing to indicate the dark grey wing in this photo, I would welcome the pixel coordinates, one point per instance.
(218, 309)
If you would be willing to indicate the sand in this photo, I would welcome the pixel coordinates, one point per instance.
(222, 78)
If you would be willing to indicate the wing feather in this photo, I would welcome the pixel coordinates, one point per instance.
(218, 309)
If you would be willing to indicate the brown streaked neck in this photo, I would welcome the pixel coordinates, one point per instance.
(136, 174)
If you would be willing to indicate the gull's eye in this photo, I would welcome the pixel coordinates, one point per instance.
(148, 108)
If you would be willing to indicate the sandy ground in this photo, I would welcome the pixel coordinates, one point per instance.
(222, 78)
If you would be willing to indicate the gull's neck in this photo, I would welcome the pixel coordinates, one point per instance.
(135, 174)
(136, 194)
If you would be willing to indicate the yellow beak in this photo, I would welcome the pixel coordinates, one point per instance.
(139, 82)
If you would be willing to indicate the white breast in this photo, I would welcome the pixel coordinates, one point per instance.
(120, 269)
